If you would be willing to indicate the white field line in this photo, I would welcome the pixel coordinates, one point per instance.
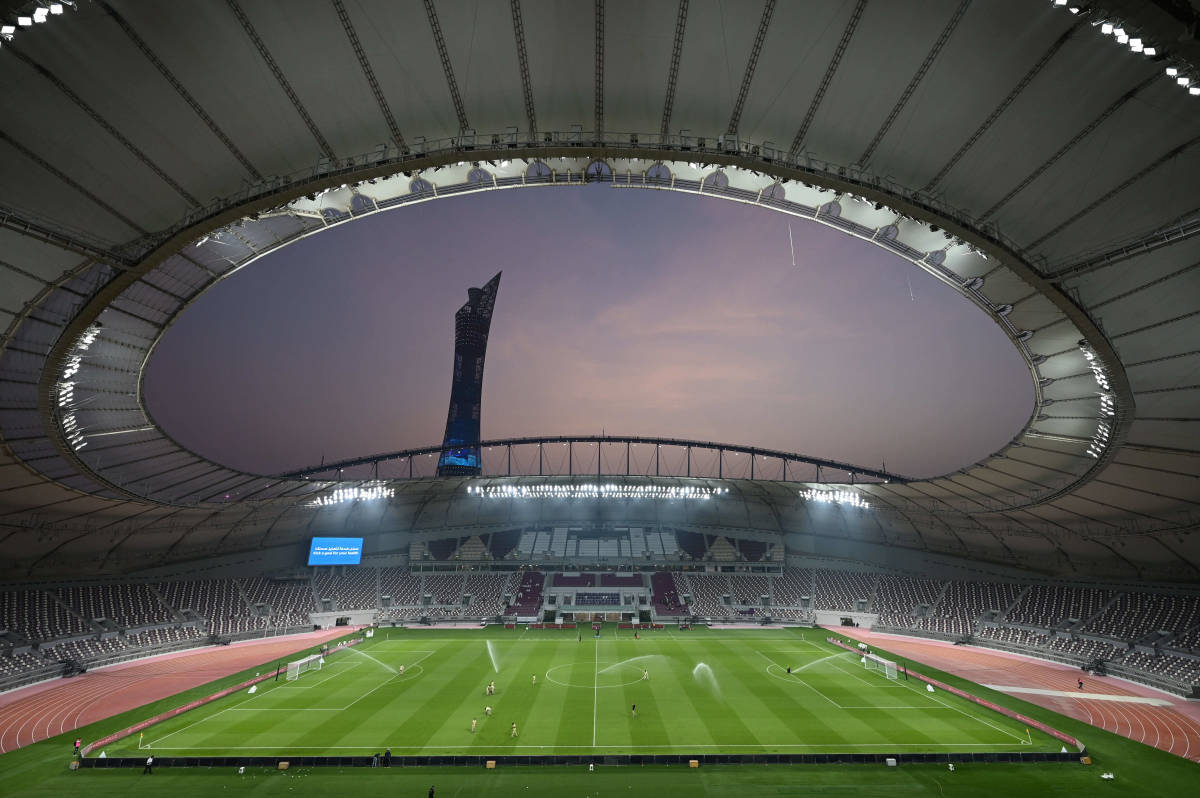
(370, 746)
(238, 706)
(797, 678)
(377, 662)
(933, 697)
(595, 690)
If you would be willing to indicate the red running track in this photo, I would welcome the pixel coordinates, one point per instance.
(1174, 728)
(44, 710)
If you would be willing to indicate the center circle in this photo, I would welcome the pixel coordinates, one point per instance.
(609, 676)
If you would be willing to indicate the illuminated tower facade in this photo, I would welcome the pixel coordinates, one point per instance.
(471, 326)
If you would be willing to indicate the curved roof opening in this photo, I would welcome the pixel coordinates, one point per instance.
(631, 312)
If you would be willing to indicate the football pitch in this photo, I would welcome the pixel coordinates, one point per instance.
(568, 692)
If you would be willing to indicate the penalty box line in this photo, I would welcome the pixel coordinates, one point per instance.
(842, 670)
(239, 708)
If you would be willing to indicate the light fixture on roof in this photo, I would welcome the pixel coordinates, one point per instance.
(56, 8)
(1106, 28)
(1172, 72)
(1182, 80)
(40, 15)
(24, 22)
(1135, 45)
(1122, 38)
(1194, 91)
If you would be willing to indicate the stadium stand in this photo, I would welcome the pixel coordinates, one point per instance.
(444, 589)
(573, 580)
(122, 605)
(1051, 606)
(36, 615)
(289, 602)
(349, 589)
(528, 600)
(592, 599)
(1134, 615)
(792, 587)
(841, 590)
(665, 595)
(749, 588)
(621, 580)
(487, 592)
(219, 602)
(706, 591)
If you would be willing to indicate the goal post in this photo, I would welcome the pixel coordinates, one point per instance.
(312, 662)
(874, 662)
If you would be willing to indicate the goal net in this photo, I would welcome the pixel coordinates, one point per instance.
(309, 663)
(873, 662)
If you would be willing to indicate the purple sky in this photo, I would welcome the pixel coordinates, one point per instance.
(636, 312)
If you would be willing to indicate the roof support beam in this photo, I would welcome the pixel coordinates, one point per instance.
(523, 66)
(11, 220)
(369, 73)
(830, 71)
(1134, 178)
(598, 113)
(739, 105)
(930, 57)
(673, 69)
(1078, 137)
(1142, 246)
(184, 93)
(1144, 286)
(269, 60)
(1003, 106)
(447, 68)
(70, 181)
(104, 123)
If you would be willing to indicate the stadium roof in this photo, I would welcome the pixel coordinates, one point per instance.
(1043, 162)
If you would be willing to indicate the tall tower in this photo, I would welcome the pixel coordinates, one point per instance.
(471, 326)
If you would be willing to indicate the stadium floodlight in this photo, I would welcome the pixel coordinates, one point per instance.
(1172, 72)
(24, 22)
(1060, 3)
(1106, 28)
(40, 15)
(1194, 91)
(1135, 45)
(56, 8)
(7, 30)
(1182, 80)
(1122, 38)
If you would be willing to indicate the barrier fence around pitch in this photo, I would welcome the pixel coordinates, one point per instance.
(682, 760)
(983, 702)
(171, 713)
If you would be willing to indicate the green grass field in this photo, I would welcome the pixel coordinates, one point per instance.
(417, 692)
(40, 771)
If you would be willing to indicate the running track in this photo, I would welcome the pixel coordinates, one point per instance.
(44, 710)
(1174, 728)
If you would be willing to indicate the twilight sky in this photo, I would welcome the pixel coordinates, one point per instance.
(636, 312)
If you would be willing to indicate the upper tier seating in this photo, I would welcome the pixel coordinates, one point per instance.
(35, 615)
(840, 590)
(1050, 605)
(351, 589)
(218, 601)
(1133, 615)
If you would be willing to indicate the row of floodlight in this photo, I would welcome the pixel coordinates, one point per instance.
(594, 490)
(842, 497)
(1108, 402)
(66, 387)
(33, 15)
(367, 492)
(1136, 43)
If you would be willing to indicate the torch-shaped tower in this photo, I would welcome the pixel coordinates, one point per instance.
(471, 326)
